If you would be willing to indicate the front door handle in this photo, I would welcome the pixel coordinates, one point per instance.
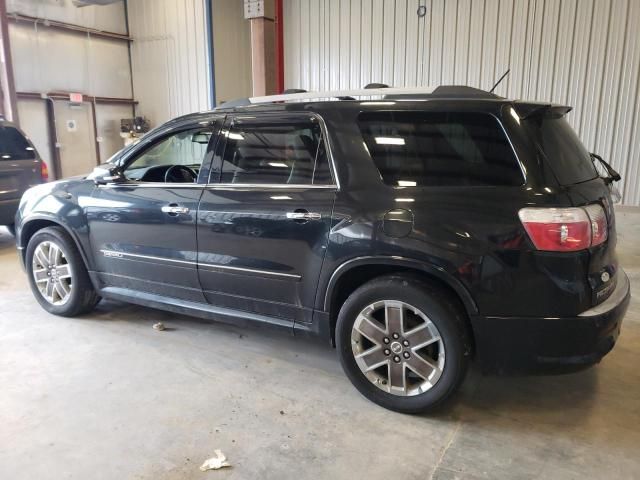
(174, 209)
(303, 215)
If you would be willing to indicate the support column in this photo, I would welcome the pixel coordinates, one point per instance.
(263, 53)
(8, 102)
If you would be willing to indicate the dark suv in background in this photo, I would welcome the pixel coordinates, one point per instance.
(413, 228)
(20, 169)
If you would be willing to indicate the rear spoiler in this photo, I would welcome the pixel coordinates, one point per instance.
(528, 110)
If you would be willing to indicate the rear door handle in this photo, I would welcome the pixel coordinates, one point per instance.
(174, 209)
(303, 215)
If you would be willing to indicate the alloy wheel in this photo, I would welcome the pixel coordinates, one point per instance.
(398, 348)
(52, 273)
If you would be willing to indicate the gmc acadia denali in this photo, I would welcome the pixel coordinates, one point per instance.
(414, 229)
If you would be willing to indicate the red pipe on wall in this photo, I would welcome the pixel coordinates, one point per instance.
(279, 24)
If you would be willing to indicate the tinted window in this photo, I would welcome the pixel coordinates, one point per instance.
(322, 173)
(274, 153)
(564, 151)
(13, 145)
(429, 149)
(186, 148)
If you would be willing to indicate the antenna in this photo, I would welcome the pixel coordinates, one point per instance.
(500, 80)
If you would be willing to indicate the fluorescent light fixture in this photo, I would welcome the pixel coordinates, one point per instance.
(405, 200)
(280, 197)
(6, 156)
(278, 164)
(29, 148)
(406, 183)
(389, 141)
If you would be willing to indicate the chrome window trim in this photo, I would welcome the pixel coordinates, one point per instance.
(523, 169)
(223, 186)
(332, 163)
(153, 185)
(115, 254)
(215, 266)
(268, 186)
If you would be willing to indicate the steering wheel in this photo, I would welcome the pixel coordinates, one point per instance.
(180, 174)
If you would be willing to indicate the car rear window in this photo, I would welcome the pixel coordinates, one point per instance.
(565, 153)
(439, 149)
(13, 145)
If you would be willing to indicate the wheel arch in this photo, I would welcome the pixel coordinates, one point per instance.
(36, 223)
(357, 271)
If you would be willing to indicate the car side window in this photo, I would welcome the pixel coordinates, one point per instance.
(176, 158)
(439, 149)
(279, 152)
(14, 146)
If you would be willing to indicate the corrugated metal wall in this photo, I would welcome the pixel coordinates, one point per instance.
(169, 56)
(585, 53)
(50, 60)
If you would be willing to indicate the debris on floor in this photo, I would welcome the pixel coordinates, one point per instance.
(215, 463)
(158, 326)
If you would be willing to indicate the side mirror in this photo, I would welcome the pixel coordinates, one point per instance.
(107, 174)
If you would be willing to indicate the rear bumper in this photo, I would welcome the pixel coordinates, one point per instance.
(551, 345)
(8, 209)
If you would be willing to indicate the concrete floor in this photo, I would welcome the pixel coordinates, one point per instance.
(107, 396)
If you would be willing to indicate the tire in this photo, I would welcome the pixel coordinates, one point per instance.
(429, 313)
(12, 229)
(70, 274)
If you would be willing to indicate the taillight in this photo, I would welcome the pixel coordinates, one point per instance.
(565, 229)
(44, 171)
(599, 226)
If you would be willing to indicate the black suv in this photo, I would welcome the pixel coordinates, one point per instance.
(413, 228)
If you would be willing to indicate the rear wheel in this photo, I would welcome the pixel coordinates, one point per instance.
(403, 343)
(57, 274)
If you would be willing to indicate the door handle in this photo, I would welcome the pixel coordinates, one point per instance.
(174, 209)
(303, 215)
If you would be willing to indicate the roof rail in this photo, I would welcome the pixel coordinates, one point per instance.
(294, 90)
(382, 93)
(364, 92)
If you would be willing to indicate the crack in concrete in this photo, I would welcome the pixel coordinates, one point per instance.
(446, 448)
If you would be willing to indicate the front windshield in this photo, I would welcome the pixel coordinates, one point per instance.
(115, 156)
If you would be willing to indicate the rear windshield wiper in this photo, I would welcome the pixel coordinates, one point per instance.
(613, 176)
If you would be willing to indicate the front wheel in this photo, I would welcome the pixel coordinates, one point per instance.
(403, 343)
(57, 274)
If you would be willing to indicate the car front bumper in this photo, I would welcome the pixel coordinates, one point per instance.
(551, 345)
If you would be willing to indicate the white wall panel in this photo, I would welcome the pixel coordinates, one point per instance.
(110, 18)
(33, 120)
(51, 60)
(47, 60)
(585, 53)
(169, 57)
